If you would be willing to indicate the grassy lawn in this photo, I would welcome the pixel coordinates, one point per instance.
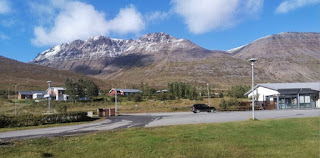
(298, 137)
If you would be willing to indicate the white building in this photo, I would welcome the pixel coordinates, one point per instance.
(57, 93)
(38, 94)
(287, 95)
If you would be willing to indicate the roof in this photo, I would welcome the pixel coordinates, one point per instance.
(25, 92)
(286, 86)
(127, 90)
(59, 88)
(41, 92)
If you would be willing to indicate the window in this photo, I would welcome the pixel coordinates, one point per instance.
(307, 99)
(301, 99)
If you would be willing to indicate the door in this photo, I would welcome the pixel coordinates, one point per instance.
(288, 103)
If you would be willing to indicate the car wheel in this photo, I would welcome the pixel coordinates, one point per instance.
(212, 110)
(198, 111)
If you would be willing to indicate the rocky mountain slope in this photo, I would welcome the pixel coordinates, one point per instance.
(159, 58)
(34, 77)
(287, 56)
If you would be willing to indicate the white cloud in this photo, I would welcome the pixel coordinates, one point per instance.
(128, 20)
(289, 5)
(202, 16)
(78, 20)
(157, 15)
(4, 7)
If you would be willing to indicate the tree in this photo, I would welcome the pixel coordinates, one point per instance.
(91, 89)
(238, 91)
(182, 90)
(82, 88)
(71, 88)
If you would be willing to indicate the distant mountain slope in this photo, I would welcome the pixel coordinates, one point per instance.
(34, 77)
(158, 58)
(287, 56)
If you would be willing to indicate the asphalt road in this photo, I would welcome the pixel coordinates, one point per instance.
(155, 119)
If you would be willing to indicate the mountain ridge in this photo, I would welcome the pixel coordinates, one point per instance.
(160, 58)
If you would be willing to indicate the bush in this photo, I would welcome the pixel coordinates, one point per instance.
(238, 91)
(227, 104)
(34, 120)
(137, 98)
(234, 105)
(162, 97)
(61, 108)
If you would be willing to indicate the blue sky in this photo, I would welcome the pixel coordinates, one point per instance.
(28, 27)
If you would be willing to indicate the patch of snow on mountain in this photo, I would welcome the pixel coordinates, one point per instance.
(235, 49)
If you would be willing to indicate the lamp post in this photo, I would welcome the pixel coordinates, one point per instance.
(49, 91)
(208, 94)
(115, 101)
(15, 98)
(252, 60)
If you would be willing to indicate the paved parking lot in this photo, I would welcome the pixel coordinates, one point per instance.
(156, 119)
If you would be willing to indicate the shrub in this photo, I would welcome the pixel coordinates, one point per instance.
(227, 104)
(137, 98)
(238, 91)
(162, 97)
(34, 120)
(61, 108)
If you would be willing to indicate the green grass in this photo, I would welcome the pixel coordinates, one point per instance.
(298, 137)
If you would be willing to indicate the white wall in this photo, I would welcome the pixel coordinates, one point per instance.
(263, 92)
(37, 96)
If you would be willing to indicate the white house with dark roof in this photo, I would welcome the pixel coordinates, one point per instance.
(38, 94)
(288, 95)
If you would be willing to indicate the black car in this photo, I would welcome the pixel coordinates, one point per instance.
(196, 108)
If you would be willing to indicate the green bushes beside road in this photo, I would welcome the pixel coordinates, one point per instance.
(34, 120)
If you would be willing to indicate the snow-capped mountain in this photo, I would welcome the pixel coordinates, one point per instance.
(92, 56)
(160, 58)
(99, 47)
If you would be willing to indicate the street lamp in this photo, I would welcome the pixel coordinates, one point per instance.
(208, 94)
(49, 85)
(115, 101)
(252, 60)
(15, 99)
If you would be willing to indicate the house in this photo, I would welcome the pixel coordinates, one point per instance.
(56, 93)
(287, 95)
(24, 95)
(123, 91)
(38, 94)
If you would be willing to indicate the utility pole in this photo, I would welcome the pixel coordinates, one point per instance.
(8, 94)
(208, 94)
(15, 101)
